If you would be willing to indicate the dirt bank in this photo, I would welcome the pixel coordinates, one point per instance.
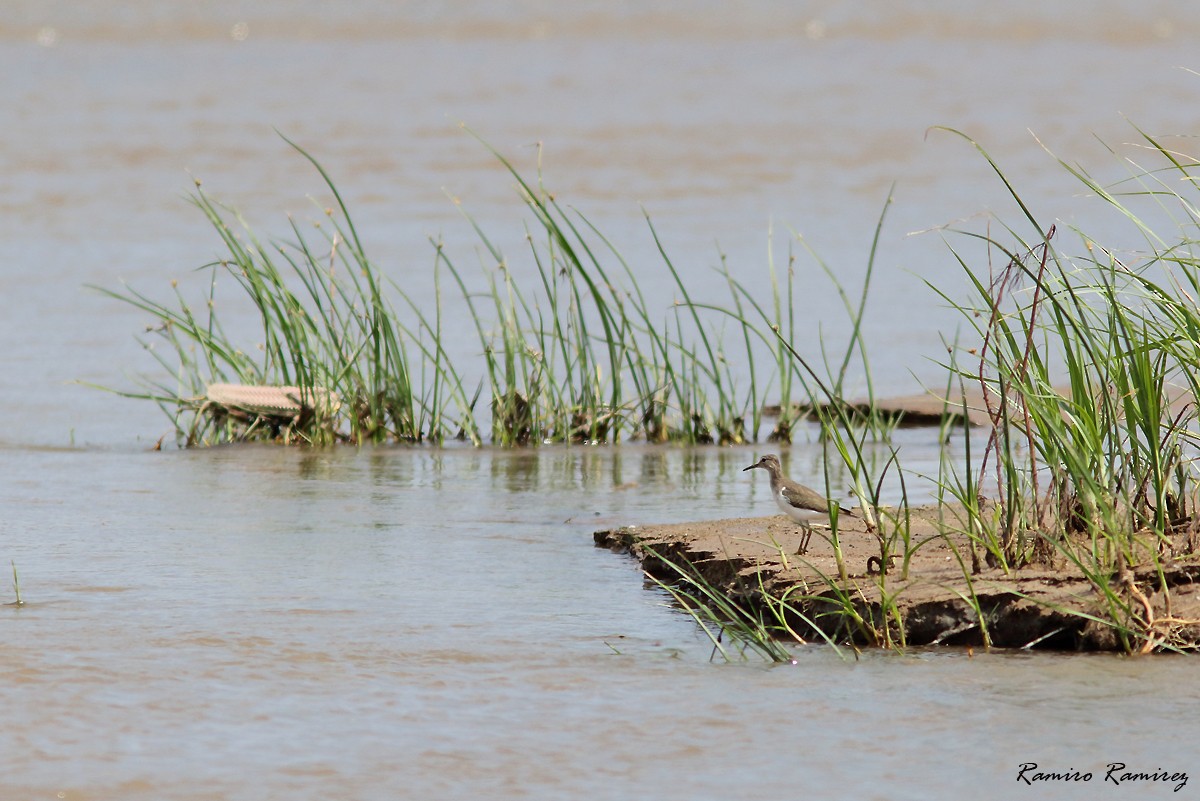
(1029, 607)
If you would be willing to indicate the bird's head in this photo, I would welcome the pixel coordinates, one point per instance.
(770, 463)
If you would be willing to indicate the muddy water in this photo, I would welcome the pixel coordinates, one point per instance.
(250, 623)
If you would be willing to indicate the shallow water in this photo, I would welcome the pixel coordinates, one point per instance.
(261, 623)
(255, 622)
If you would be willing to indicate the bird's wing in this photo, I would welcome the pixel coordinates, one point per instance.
(808, 499)
(805, 498)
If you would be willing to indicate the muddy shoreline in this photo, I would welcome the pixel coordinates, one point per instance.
(748, 558)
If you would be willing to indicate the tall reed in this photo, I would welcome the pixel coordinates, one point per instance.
(584, 355)
(1087, 365)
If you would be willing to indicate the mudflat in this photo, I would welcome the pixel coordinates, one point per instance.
(939, 599)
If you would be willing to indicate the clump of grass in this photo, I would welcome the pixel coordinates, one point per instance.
(606, 360)
(584, 356)
(1087, 365)
(326, 324)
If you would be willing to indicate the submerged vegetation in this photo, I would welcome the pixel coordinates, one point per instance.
(16, 585)
(1084, 357)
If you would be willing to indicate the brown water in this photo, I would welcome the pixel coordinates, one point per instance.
(393, 623)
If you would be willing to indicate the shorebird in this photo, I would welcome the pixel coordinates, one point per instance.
(796, 500)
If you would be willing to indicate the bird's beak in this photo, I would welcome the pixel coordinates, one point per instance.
(751, 467)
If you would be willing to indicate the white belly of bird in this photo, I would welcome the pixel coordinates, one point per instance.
(796, 513)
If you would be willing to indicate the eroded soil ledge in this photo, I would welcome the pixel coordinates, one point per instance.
(745, 558)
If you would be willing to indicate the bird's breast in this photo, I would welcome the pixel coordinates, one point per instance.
(797, 513)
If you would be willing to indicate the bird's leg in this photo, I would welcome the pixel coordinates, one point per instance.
(805, 536)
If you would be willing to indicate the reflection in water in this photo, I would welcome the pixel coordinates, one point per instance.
(653, 468)
(714, 474)
(516, 471)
